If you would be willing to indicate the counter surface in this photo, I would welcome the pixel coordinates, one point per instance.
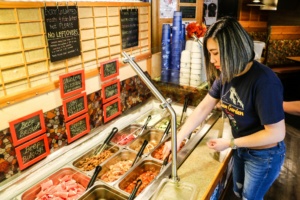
(204, 166)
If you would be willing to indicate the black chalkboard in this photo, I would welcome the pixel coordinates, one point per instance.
(111, 109)
(75, 106)
(129, 27)
(27, 127)
(188, 11)
(72, 83)
(111, 90)
(62, 32)
(109, 69)
(32, 151)
(78, 127)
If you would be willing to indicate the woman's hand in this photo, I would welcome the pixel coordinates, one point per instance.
(218, 144)
(167, 149)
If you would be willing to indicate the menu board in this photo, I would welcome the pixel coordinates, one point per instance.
(32, 151)
(112, 110)
(129, 27)
(27, 127)
(187, 1)
(75, 106)
(110, 90)
(78, 127)
(109, 69)
(188, 11)
(62, 32)
(72, 83)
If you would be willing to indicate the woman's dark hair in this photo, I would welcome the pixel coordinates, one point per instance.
(236, 49)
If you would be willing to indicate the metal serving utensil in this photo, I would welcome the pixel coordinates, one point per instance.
(166, 132)
(140, 153)
(106, 141)
(145, 125)
(93, 178)
(135, 189)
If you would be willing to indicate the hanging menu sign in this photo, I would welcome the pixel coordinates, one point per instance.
(112, 109)
(129, 28)
(62, 32)
(27, 127)
(72, 83)
(78, 127)
(188, 11)
(75, 106)
(32, 151)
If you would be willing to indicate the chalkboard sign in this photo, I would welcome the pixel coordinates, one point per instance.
(62, 32)
(75, 106)
(188, 11)
(72, 83)
(129, 27)
(110, 90)
(111, 110)
(78, 127)
(32, 151)
(27, 127)
(109, 69)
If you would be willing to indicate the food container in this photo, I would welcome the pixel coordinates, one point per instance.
(157, 153)
(126, 135)
(114, 168)
(89, 161)
(147, 170)
(152, 136)
(162, 125)
(156, 115)
(104, 192)
(56, 178)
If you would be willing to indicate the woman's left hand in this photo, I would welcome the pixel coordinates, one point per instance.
(218, 144)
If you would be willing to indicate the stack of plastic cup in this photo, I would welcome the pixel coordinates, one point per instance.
(183, 37)
(196, 64)
(185, 68)
(176, 47)
(165, 52)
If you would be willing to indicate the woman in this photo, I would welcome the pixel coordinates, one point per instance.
(251, 97)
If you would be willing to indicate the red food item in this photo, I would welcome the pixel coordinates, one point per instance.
(146, 178)
(123, 139)
(66, 189)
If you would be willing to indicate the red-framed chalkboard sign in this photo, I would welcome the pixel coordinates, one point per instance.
(109, 69)
(32, 151)
(75, 106)
(110, 90)
(78, 127)
(27, 127)
(71, 83)
(112, 109)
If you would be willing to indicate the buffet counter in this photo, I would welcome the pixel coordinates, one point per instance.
(196, 163)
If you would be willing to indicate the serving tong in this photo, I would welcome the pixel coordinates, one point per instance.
(166, 132)
(140, 153)
(93, 178)
(135, 189)
(145, 125)
(106, 141)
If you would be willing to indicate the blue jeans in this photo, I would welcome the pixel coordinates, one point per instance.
(254, 171)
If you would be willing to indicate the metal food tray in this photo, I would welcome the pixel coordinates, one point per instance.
(120, 156)
(156, 116)
(102, 192)
(152, 135)
(114, 149)
(133, 129)
(133, 174)
(31, 193)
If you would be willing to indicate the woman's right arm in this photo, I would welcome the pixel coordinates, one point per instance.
(194, 120)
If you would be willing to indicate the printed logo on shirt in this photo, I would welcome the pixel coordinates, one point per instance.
(232, 106)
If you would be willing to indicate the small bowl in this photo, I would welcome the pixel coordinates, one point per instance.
(196, 66)
(186, 65)
(185, 70)
(196, 71)
(196, 55)
(184, 75)
(195, 77)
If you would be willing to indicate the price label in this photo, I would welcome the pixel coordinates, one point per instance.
(109, 69)
(27, 127)
(112, 110)
(75, 106)
(32, 151)
(110, 90)
(72, 83)
(78, 127)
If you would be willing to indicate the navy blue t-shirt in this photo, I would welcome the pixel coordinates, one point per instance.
(251, 100)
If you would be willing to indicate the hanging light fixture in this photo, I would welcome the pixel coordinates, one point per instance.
(255, 3)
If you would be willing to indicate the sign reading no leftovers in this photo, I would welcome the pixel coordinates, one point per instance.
(62, 32)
